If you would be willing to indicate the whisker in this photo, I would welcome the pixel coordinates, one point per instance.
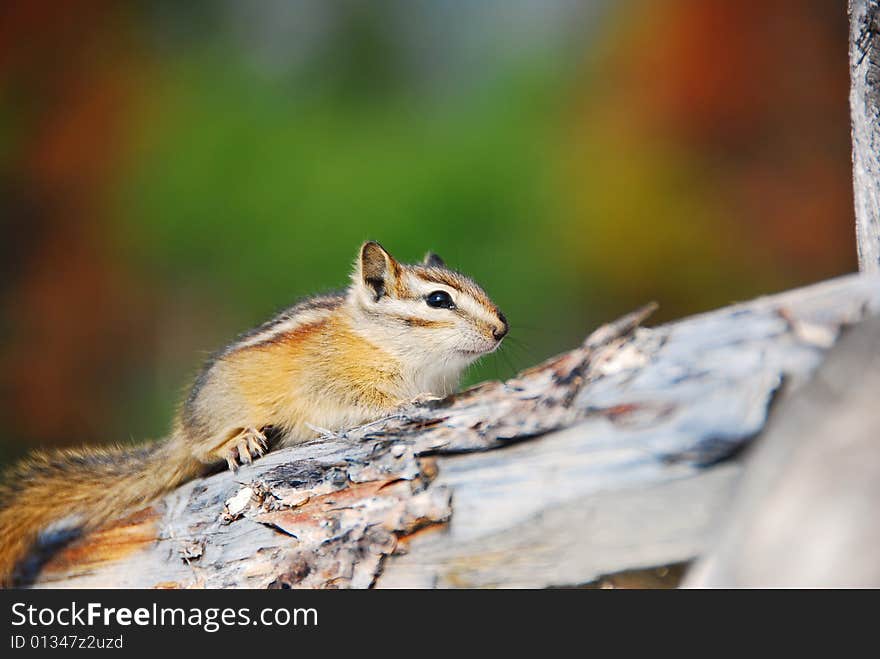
(517, 343)
(503, 353)
(519, 351)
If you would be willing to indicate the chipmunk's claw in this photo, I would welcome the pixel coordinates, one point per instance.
(244, 447)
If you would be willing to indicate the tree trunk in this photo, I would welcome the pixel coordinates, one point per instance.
(864, 65)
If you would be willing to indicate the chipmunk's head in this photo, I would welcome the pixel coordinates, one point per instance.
(434, 316)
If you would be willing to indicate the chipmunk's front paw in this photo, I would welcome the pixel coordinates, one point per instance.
(245, 447)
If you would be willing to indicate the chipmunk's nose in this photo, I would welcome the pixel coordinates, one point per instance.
(499, 332)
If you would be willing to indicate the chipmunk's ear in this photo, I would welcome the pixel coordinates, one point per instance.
(378, 270)
(433, 261)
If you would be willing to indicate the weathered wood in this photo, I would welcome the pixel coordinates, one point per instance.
(644, 479)
(864, 99)
(807, 513)
(619, 455)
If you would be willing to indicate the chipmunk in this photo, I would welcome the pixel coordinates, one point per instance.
(332, 361)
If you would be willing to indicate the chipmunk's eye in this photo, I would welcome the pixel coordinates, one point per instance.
(440, 300)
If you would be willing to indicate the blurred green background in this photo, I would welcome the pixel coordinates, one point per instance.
(173, 173)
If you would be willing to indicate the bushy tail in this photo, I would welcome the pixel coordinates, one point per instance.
(78, 490)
